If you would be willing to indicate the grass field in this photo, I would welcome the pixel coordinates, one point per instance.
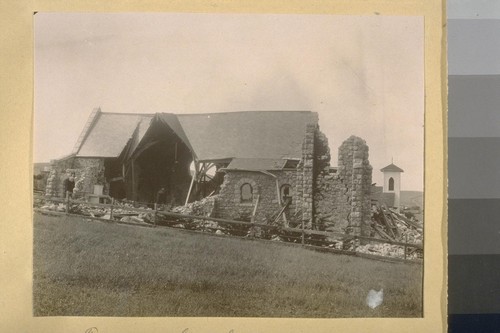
(86, 268)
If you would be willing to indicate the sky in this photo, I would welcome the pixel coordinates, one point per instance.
(363, 75)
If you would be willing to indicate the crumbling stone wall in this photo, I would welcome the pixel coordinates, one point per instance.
(59, 172)
(331, 204)
(356, 171)
(342, 200)
(88, 172)
(305, 177)
(229, 203)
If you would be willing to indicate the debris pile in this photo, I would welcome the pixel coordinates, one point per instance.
(386, 250)
(390, 225)
(387, 224)
(204, 207)
(54, 207)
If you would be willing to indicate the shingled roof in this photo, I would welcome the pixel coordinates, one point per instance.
(209, 136)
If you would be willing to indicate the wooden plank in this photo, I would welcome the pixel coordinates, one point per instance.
(403, 218)
(215, 219)
(190, 189)
(379, 231)
(312, 232)
(389, 228)
(55, 199)
(383, 234)
(280, 213)
(384, 210)
(252, 219)
(398, 233)
(331, 233)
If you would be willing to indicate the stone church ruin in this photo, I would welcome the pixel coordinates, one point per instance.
(262, 166)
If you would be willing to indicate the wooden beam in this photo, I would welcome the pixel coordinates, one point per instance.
(255, 209)
(193, 178)
(387, 224)
(189, 191)
(278, 194)
(133, 180)
(282, 210)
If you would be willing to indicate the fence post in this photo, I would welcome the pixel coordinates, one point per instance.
(406, 242)
(111, 210)
(67, 203)
(303, 235)
(154, 216)
(252, 219)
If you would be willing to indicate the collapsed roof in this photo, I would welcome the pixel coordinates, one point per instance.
(209, 136)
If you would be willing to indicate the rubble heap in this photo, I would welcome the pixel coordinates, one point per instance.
(387, 224)
(204, 207)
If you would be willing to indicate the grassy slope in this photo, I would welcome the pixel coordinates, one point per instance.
(94, 269)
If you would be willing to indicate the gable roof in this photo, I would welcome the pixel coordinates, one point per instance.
(392, 168)
(110, 133)
(139, 133)
(210, 136)
(172, 121)
(251, 134)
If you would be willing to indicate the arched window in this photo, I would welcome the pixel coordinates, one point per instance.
(286, 193)
(246, 193)
(391, 184)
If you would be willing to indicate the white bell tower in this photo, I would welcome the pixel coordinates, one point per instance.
(392, 182)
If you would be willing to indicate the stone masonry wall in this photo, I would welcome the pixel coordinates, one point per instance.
(355, 172)
(342, 198)
(229, 203)
(305, 178)
(58, 173)
(331, 202)
(88, 172)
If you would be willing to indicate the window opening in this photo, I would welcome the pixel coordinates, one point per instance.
(246, 193)
(391, 184)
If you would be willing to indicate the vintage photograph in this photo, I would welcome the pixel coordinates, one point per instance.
(228, 165)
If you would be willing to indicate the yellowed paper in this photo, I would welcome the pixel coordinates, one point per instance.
(16, 98)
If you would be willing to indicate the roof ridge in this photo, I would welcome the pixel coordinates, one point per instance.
(392, 167)
(248, 111)
(129, 113)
